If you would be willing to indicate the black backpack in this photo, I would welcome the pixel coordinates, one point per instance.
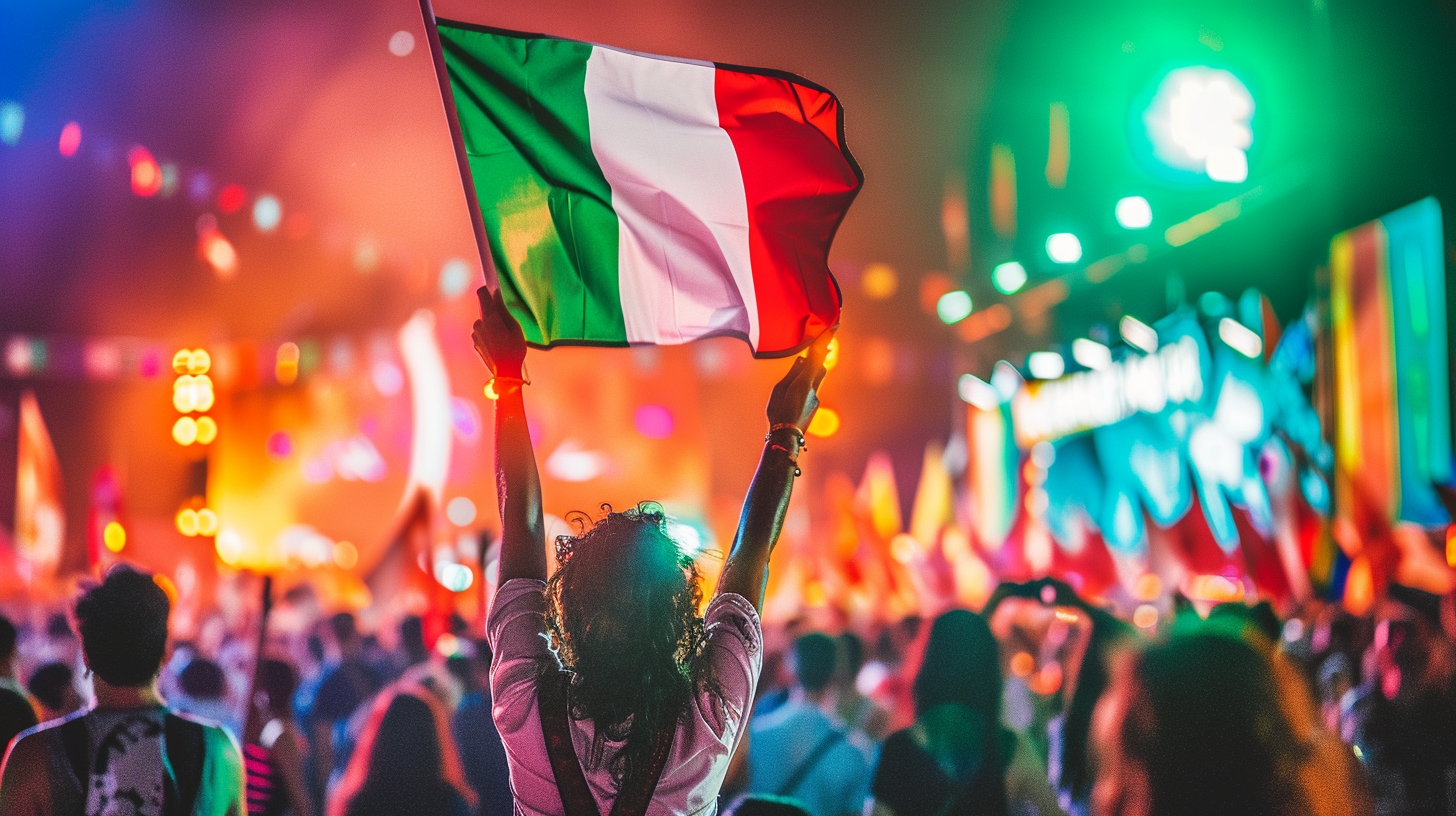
(186, 748)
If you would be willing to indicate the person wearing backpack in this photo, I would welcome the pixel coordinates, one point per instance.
(130, 753)
(635, 704)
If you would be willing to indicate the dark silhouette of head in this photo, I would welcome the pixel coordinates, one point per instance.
(202, 679)
(278, 680)
(123, 626)
(849, 656)
(1210, 723)
(50, 685)
(405, 762)
(346, 634)
(962, 664)
(814, 661)
(412, 639)
(624, 618)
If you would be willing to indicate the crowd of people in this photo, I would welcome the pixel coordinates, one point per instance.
(620, 683)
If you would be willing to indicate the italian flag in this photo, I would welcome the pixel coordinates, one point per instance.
(631, 199)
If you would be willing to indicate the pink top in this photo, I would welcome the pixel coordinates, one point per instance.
(731, 657)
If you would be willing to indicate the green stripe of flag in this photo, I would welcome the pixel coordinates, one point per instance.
(546, 204)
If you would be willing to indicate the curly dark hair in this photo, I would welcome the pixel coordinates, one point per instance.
(623, 615)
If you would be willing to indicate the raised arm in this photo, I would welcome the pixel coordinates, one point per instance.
(790, 407)
(500, 343)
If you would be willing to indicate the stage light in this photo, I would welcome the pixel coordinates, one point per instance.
(181, 360)
(184, 431)
(1148, 587)
(1045, 365)
(113, 535)
(879, 281)
(454, 577)
(12, 122)
(461, 511)
(1145, 616)
(267, 213)
(446, 645)
(1091, 354)
(1009, 277)
(229, 546)
(207, 522)
(70, 139)
(1200, 120)
(187, 523)
(346, 555)
(825, 423)
(202, 387)
(978, 392)
(206, 430)
(1138, 334)
(653, 421)
(1022, 664)
(1134, 212)
(198, 362)
(218, 251)
(1240, 338)
(387, 378)
(454, 278)
(231, 198)
(146, 176)
(954, 306)
(689, 541)
(285, 369)
(831, 357)
(1064, 248)
(171, 179)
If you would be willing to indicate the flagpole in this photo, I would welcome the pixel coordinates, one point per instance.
(467, 181)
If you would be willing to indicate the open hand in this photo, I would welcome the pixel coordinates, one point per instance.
(497, 336)
(795, 399)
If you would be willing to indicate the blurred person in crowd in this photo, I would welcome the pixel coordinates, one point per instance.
(957, 757)
(129, 754)
(17, 710)
(763, 805)
(274, 757)
(343, 687)
(641, 698)
(1408, 733)
(799, 751)
(406, 762)
(481, 750)
(854, 709)
(1210, 724)
(412, 648)
(54, 687)
(202, 692)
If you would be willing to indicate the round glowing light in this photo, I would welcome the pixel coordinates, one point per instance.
(1022, 664)
(207, 522)
(953, 306)
(1048, 681)
(831, 357)
(206, 430)
(199, 187)
(184, 396)
(12, 122)
(286, 368)
(113, 535)
(205, 396)
(280, 445)
(184, 431)
(401, 43)
(454, 577)
(387, 378)
(1133, 212)
(446, 645)
(461, 511)
(1009, 277)
(70, 139)
(1046, 365)
(219, 253)
(231, 198)
(1200, 120)
(346, 555)
(198, 362)
(146, 174)
(187, 523)
(1148, 587)
(824, 423)
(879, 281)
(1064, 248)
(181, 360)
(689, 541)
(267, 213)
(1145, 616)
(653, 421)
(229, 546)
(904, 548)
(454, 275)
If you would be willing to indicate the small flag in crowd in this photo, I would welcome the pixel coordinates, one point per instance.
(630, 198)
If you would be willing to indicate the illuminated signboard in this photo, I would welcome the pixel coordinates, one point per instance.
(1044, 411)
